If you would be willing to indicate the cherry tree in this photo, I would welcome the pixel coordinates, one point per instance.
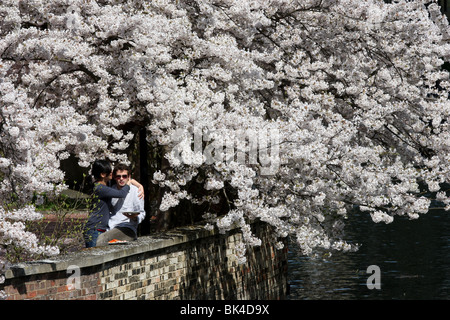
(287, 112)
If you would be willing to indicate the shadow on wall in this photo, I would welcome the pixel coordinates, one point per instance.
(220, 277)
(208, 278)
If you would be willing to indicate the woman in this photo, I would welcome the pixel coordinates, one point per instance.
(101, 206)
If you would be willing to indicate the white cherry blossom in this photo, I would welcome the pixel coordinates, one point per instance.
(355, 90)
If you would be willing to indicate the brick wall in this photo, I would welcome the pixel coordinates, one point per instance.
(186, 263)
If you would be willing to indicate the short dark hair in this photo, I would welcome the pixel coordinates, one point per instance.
(99, 167)
(121, 167)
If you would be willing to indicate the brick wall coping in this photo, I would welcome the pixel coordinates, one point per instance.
(98, 255)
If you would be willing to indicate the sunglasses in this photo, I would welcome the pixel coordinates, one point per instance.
(123, 176)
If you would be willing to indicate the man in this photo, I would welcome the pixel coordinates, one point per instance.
(121, 225)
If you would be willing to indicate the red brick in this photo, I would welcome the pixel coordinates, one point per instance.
(42, 292)
(62, 288)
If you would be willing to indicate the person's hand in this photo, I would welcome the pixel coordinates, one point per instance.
(140, 188)
(141, 192)
(132, 217)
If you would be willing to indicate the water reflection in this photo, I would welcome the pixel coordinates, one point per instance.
(413, 256)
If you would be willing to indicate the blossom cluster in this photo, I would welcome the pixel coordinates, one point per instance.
(12, 231)
(356, 91)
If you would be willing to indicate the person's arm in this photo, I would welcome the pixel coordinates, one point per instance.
(138, 205)
(108, 192)
(141, 215)
(140, 188)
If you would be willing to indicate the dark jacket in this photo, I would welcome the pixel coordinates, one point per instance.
(99, 215)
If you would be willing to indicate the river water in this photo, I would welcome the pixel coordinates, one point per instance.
(413, 257)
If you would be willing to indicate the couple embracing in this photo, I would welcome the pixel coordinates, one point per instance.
(117, 210)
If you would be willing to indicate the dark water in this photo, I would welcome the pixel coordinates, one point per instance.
(413, 257)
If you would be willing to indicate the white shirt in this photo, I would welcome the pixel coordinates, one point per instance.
(130, 203)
